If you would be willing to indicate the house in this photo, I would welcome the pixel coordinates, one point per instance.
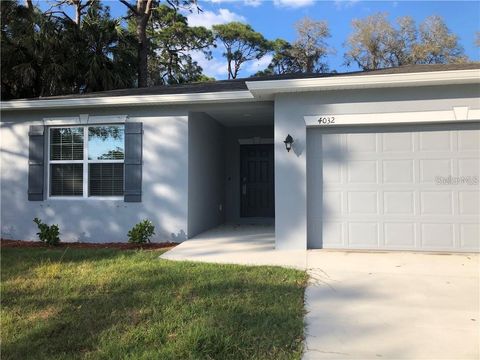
(386, 159)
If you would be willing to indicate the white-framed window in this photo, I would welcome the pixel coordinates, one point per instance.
(86, 161)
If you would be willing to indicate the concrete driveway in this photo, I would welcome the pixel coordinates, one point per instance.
(392, 306)
(365, 305)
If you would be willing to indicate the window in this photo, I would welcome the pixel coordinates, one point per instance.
(86, 161)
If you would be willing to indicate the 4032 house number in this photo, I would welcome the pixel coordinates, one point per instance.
(326, 120)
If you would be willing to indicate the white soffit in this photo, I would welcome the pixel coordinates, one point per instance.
(129, 100)
(268, 88)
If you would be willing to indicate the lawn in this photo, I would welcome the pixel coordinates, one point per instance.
(118, 304)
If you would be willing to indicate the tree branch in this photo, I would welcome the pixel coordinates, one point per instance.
(128, 5)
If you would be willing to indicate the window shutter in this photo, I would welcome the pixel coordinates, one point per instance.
(36, 138)
(133, 162)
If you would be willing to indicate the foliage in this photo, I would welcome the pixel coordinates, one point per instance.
(172, 42)
(310, 46)
(375, 43)
(146, 307)
(241, 44)
(47, 234)
(45, 54)
(141, 232)
(305, 55)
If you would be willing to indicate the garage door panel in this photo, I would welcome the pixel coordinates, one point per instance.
(469, 236)
(398, 171)
(363, 234)
(384, 191)
(435, 141)
(469, 202)
(362, 202)
(397, 142)
(360, 143)
(362, 171)
(398, 202)
(430, 169)
(399, 235)
(437, 236)
(436, 203)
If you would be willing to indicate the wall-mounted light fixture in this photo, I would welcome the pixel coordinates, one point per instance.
(288, 142)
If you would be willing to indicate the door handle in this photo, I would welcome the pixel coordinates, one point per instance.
(244, 189)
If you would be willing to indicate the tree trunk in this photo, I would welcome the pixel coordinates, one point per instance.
(28, 4)
(142, 50)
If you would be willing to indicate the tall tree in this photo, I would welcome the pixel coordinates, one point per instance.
(80, 7)
(142, 12)
(437, 44)
(172, 41)
(310, 46)
(375, 43)
(241, 44)
(283, 61)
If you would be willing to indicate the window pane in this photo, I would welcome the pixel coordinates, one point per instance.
(66, 179)
(66, 143)
(106, 179)
(106, 142)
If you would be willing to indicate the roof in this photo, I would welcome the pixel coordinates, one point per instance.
(241, 84)
(262, 88)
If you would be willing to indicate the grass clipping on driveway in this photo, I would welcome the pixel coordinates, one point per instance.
(112, 304)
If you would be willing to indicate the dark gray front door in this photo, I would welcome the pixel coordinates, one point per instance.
(257, 181)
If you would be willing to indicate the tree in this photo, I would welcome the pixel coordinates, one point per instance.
(283, 61)
(241, 44)
(310, 46)
(370, 43)
(305, 55)
(477, 38)
(80, 7)
(375, 43)
(437, 45)
(172, 41)
(142, 11)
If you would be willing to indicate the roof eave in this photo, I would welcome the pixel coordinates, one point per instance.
(268, 89)
(129, 100)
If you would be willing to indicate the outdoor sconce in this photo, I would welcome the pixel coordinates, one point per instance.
(288, 142)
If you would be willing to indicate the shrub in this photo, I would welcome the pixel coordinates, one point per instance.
(141, 232)
(47, 234)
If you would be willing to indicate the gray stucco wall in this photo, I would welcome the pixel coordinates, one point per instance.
(206, 173)
(291, 168)
(165, 181)
(232, 166)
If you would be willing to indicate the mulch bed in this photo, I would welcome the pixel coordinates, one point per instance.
(81, 245)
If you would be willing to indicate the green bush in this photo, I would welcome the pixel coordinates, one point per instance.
(47, 234)
(141, 232)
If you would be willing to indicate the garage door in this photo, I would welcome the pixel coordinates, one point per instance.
(408, 188)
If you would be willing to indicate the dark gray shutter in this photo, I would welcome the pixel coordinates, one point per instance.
(36, 145)
(133, 162)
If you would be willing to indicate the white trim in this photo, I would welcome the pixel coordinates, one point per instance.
(85, 162)
(457, 114)
(85, 119)
(270, 87)
(255, 141)
(165, 99)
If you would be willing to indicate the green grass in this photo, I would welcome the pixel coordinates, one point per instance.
(112, 304)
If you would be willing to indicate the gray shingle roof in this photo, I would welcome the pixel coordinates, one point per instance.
(240, 84)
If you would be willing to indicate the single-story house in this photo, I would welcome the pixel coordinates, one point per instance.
(383, 160)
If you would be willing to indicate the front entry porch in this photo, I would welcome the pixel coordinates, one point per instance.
(237, 244)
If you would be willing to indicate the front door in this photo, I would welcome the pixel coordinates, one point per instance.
(257, 181)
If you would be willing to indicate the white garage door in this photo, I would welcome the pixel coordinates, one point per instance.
(410, 188)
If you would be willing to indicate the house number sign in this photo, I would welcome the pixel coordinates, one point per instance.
(326, 120)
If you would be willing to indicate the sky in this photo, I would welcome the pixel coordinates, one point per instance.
(276, 19)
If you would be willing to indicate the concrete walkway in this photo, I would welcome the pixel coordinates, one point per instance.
(366, 305)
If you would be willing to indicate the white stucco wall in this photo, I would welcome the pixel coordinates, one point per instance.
(165, 182)
(291, 168)
(206, 173)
